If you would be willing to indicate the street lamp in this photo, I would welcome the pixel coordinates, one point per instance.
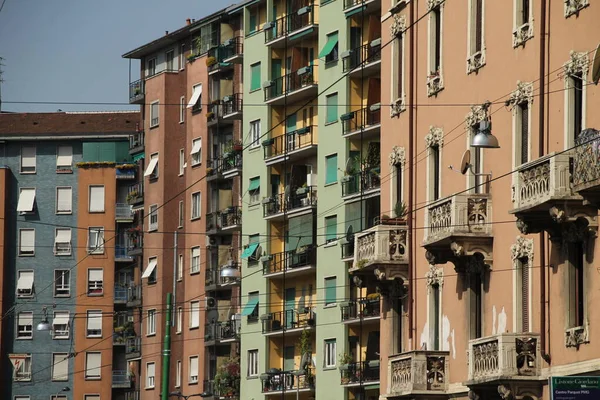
(44, 325)
(186, 397)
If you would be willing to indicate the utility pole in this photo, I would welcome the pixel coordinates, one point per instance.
(167, 350)
(1, 80)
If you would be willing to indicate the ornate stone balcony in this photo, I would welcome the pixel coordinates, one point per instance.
(421, 374)
(381, 244)
(505, 363)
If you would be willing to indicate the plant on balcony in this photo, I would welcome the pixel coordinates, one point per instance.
(361, 263)
(137, 91)
(210, 61)
(305, 347)
(210, 115)
(209, 170)
(268, 142)
(400, 210)
(191, 57)
(95, 164)
(131, 195)
(126, 166)
(215, 102)
(227, 378)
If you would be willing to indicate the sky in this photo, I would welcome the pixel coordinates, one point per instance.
(70, 50)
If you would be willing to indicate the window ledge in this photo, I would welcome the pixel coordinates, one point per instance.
(435, 84)
(333, 368)
(191, 273)
(27, 172)
(331, 122)
(475, 62)
(254, 90)
(150, 334)
(154, 126)
(252, 377)
(330, 184)
(331, 244)
(522, 34)
(576, 336)
(197, 164)
(195, 218)
(193, 328)
(332, 305)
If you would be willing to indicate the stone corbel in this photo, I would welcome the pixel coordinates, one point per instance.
(398, 25)
(435, 84)
(579, 63)
(522, 34)
(475, 61)
(477, 114)
(431, 4)
(397, 157)
(397, 107)
(575, 337)
(523, 93)
(435, 137)
(505, 392)
(435, 276)
(572, 7)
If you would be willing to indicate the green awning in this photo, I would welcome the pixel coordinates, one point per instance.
(254, 184)
(250, 306)
(355, 11)
(250, 250)
(138, 157)
(299, 35)
(332, 40)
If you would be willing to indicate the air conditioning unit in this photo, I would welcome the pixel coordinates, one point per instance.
(210, 302)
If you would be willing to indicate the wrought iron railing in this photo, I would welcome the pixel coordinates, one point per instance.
(133, 345)
(365, 307)
(281, 202)
(136, 91)
(361, 120)
(232, 104)
(227, 218)
(235, 46)
(348, 249)
(359, 372)
(291, 141)
(288, 319)
(363, 55)
(135, 193)
(290, 82)
(136, 141)
(362, 181)
(225, 330)
(280, 262)
(134, 294)
(276, 380)
(298, 19)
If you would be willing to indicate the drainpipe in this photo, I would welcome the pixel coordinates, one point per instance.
(541, 151)
(411, 173)
(167, 350)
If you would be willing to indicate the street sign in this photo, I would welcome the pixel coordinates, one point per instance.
(574, 388)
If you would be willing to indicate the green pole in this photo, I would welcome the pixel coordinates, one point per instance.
(167, 350)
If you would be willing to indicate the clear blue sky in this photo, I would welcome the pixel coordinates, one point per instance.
(70, 50)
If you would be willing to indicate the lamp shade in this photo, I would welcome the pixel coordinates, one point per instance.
(485, 140)
(44, 325)
(229, 271)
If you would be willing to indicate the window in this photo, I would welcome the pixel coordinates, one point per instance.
(330, 51)
(195, 260)
(150, 271)
(24, 284)
(476, 58)
(575, 114)
(64, 197)
(254, 190)
(95, 281)
(255, 133)
(435, 172)
(182, 57)
(330, 353)
(434, 292)
(255, 76)
(195, 205)
(152, 168)
(64, 157)
(435, 45)
(25, 397)
(150, 375)
(253, 363)
(330, 290)
(62, 242)
(60, 325)
(62, 286)
(196, 151)
(253, 19)
(178, 374)
(154, 117)
(26, 200)
(170, 60)
(195, 102)
(151, 70)
(26, 242)
(194, 314)
(62, 397)
(522, 132)
(179, 323)
(91, 397)
(153, 218)
(523, 12)
(22, 368)
(576, 280)
(95, 240)
(397, 184)
(180, 267)
(332, 108)
(331, 228)
(93, 364)
(331, 169)
(475, 305)
(398, 68)
(523, 279)
(182, 109)
(28, 159)
(25, 325)
(193, 378)
(60, 366)
(96, 199)
(181, 161)
(181, 216)
(151, 323)
(94, 324)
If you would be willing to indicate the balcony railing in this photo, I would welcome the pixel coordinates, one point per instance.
(290, 82)
(123, 212)
(361, 120)
(219, 53)
(213, 277)
(215, 112)
(281, 202)
(298, 19)
(418, 372)
(135, 243)
(359, 182)
(289, 319)
(359, 372)
(136, 91)
(136, 142)
(226, 330)
(235, 47)
(504, 356)
(133, 347)
(381, 244)
(291, 141)
(224, 219)
(289, 260)
(121, 379)
(135, 194)
(120, 294)
(586, 161)
(232, 104)
(364, 55)
(276, 380)
(459, 215)
(132, 395)
(366, 307)
(134, 295)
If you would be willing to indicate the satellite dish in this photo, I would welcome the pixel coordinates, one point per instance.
(258, 253)
(596, 66)
(212, 315)
(465, 162)
(350, 234)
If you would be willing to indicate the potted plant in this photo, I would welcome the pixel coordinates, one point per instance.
(346, 360)
(227, 379)
(237, 145)
(210, 61)
(268, 142)
(302, 190)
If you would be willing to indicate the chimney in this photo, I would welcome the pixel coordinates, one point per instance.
(188, 21)
(166, 33)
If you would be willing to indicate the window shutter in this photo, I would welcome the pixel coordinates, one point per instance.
(331, 169)
(64, 199)
(195, 314)
(28, 156)
(255, 77)
(478, 25)
(27, 240)
(95, 275)
(330, 287)
(96, 198)
(330, 228)
(150, 370)
(435, 153)
(60, 367)
(25, 318)
(195, 252)
(64, 156)
(194, 366)
(399, 61)
(94, 320)
(93, 363)
(332, 108)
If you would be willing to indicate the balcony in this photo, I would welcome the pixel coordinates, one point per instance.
(120, 296)
(215, 114)
(363, 61)
(125, 171)
(222, 332)
(289, 321)
(233, 107)
(135, 194)
(136, 92)
(134, 296)
(216, 60)
(352, 7)
(234, 52)
(366, 121)
(384, 246)
(224, 221)
(360, 373)
(361, 310)
(586, 166)
(296, 203)
(121, 379)
(122, 253)
(276, 382)
(361, 185)
(418, 373)
(133, 347)
(291, 263)
(135, 242)
(123, 213)
(132, 395)
(226, 166)
(292, 88)
(300, 143)
(214, 281)
(136, 143)
(286, 30)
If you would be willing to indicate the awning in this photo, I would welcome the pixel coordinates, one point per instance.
(254, 184)
(25, 281)
(250, 306)
(61, 319)
(250, 250)
(26, 200)
(138, 157)
(151, 166)
(195, 96)
(332, 40)
(150, 268)
(196, 147)
(63, 236)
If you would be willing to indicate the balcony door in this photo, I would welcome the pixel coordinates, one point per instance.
(290, 305)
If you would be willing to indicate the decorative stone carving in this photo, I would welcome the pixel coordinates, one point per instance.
(572, 7)
(397, 156)
(472, 395)
(579, 63)
(476, 115)
(575, 337)
(398, 25)
(523, 93)
(505, 393)
(431, 4)
(435, 276)
(475, 61)
(522, 226)
(576, 231)
(430, 257)
(397, 107)
(435, 137)
(522, 248)
(435, 84)
(586, 168)
(457, 249)
(522, 34)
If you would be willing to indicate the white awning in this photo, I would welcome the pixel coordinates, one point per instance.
(61, 318)
(94, 320)
(63, 235)
(25, 318)
(197, 145)
(26, 200)
(195, 96)
(150, 268)
(151, 166)
(25, 281)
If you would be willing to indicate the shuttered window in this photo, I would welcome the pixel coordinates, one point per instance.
(478, 25)
(255, 77)
(25, 325)
(60, 366)
(95, 282)
(331, 169)
(194, 314)
(62, 242)
(64, 157)
(26, 242)
(94, 323)
(96, 198)
(524, 286)
(93, 363)
(150, 371)
(332, 108)
(28, 159)
(193, 369)
(524, 132)
(64, 200)
(330, 228)
(195, 260)
(330, 290)
(435, 172)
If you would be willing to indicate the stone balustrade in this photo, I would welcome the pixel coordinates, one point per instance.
(418, 372)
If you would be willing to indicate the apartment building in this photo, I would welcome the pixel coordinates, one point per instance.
(189, 152)
(65, 272)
